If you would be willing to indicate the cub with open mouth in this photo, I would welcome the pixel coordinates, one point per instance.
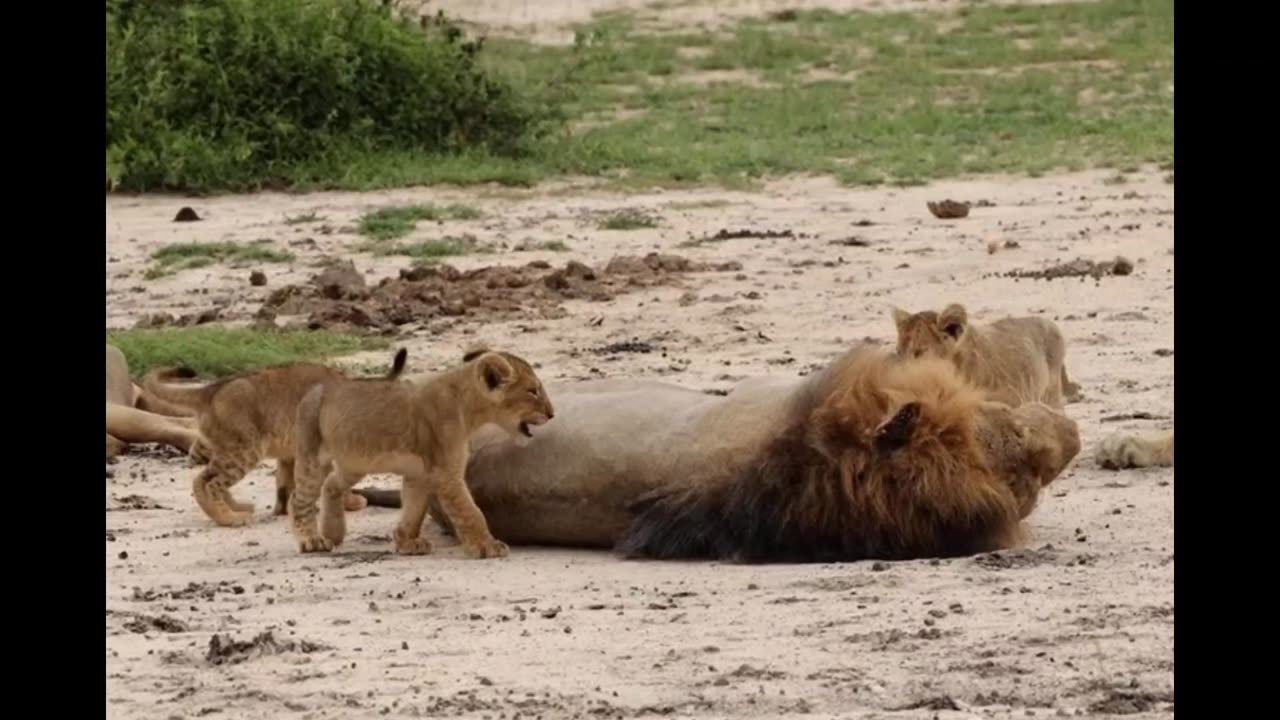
(420, 431)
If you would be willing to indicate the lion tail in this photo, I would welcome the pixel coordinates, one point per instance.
(378, 497)
(158, 384)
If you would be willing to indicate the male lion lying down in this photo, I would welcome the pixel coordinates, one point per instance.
(873, 457)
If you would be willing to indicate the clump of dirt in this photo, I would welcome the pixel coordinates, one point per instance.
(1129, 703)
(193, 591)
(186, 214)
(1017, 558)
(948, 209)
(225, 651)
(162, 319)
(159, 623)
(626, 346)
(339, 296)
(1077, 268)
(136, 502)
(852, 241)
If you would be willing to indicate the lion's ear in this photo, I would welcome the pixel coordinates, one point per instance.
(494, 370)
(952, 320)
(900, 317)
(897, 430)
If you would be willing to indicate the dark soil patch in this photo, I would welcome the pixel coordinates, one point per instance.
(1078, 268)
(626, 346)
(1017, 558)
(140, 624)
(225, 651)
(186, 214)
(338, 296)
(1119, 702)
(1140, 415)
(852, 241)
(136, 502)
(948, 209)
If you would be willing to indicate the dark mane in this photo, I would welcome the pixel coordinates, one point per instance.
(879, 461)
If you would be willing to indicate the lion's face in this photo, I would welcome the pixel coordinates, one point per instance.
(927, 334)
(1028, 445)
(520, 403)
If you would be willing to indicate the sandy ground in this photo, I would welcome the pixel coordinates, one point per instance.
(551, 21)
(1079, 622)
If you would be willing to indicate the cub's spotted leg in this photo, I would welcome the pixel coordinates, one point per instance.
(308, 479)
(212, 488)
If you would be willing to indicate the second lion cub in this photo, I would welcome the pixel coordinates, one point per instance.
(1015, 360)
(420, 431)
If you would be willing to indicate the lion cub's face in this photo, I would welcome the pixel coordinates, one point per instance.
(930, 333)
(519, 402)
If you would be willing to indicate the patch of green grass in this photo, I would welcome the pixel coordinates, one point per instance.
(216, 351)
(629, 219)
(868, 97)
(185, 256)
(549, 245)
(396, 221)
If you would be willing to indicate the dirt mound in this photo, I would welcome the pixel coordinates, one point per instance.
(339, 296)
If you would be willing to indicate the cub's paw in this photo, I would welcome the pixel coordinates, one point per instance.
(414, 546)
(234, 519)
(491, 548)
(315, 544)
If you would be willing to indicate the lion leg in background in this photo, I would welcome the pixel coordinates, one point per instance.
(284, 486)
(354, 501)
(130, 425)
(415, 498)
(1070, 390)
(1135, 450)
(212, 487)
(333, 499)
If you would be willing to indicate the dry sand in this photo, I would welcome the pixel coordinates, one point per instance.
(1079, 622)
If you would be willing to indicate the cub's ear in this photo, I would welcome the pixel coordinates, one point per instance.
(474, 352)
(900, 317)
(952, 320)
(494, 370)
(897, 430)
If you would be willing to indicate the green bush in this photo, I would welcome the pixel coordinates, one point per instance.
(207, 95)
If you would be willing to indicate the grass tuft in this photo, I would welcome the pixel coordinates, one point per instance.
(185, 256)
(396, 221)
(216, 351)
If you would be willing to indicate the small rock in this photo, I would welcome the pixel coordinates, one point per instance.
(186, 214)
(257, 278)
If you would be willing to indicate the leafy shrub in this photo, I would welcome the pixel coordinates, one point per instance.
(239, 94)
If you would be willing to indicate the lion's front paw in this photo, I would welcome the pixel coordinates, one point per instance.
(414, 546)
(491, 548)
(315, 544)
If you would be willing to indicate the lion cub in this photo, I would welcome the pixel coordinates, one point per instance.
(1135, 450)
(244, 419)
(420, 431)
(1015, 360)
